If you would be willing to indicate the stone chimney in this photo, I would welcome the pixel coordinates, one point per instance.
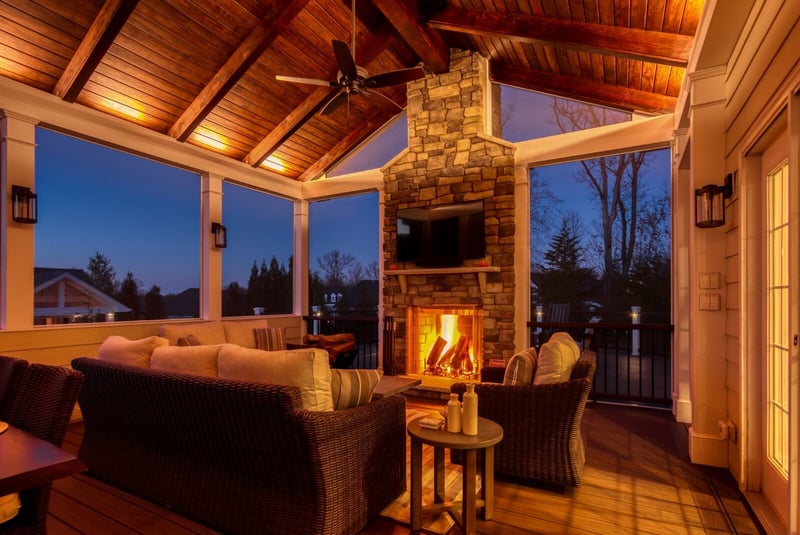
(451, 158)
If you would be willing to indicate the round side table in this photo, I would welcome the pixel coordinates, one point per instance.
(489, 434)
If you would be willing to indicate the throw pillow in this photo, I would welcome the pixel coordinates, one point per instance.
(131, 352)
(556, 361)
(206, 332)
(570, 342)
(190, 340)
(270, 339)
(352, 388)
(193, 360)
(521, 368)
(307, 369)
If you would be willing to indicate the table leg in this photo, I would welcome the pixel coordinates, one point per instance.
(487, 483)
(416, 484)
(468, 493)
(438, 475)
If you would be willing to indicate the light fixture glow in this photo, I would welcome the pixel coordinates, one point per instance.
(211, 139)
(274, 163)
(126, 110)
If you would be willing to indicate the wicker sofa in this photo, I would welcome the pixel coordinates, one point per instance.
(541, 423)
(240, 457)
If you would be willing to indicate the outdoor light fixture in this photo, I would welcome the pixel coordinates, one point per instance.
(220, 235)
(709, 203)
(23, 204)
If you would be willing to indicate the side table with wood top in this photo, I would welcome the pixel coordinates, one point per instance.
(489, 434)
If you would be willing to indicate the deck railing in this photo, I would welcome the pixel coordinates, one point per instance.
(634, 361)
(364, 328)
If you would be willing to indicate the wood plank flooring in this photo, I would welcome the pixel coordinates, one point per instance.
(637, 479)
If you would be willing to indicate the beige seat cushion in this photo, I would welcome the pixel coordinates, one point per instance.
(194, 360)
(240, 332)
(131, 352)
(555, 363)
(206, 332)
(307, 369)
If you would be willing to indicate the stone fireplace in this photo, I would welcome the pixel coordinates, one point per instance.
(452, 158)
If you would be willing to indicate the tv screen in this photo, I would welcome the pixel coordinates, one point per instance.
(441, 236)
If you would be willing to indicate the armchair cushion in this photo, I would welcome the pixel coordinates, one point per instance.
(131, 352)
(521, 368)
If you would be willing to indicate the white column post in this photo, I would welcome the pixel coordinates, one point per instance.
(636, 317)
(211, 264)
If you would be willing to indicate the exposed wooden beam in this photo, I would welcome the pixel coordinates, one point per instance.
(428, 44)
(236, 66)
(622, 98)
(345, 145)
(371, 48)
(658, 47)
(104, 29)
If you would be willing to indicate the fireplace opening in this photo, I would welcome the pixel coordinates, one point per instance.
(445, 341)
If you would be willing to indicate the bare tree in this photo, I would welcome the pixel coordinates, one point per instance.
(334, 265)
(544, 205)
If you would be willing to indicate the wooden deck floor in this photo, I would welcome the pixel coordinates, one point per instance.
(637, 479)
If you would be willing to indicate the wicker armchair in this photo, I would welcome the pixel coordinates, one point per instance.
(11, 369)
(542, 437)
(42, 405)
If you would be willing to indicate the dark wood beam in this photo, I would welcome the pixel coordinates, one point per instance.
(104, 29)
(428, 44)
(345, 145)
(621, 98)
(371, 48)
(657, 47)
(236, 66)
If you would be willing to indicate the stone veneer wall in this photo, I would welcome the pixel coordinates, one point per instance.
(451, 159)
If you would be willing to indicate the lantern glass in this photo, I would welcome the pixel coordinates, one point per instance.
(220, 235)
(710, 206)
(23, 205)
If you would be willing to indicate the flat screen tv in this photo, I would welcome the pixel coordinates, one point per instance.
(441, 236)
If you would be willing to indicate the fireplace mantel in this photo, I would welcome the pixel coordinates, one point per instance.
(480, 272)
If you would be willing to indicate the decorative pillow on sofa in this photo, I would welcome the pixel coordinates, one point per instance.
(241, 332)
(556, 361)
(190, 340)
(194, 360)
(565, 338)
(307, 369)
(521, 368)
(132, 352)
(351, 388)
(206, 332)
(270, 338)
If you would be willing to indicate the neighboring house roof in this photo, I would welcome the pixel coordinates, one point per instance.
(65, 292)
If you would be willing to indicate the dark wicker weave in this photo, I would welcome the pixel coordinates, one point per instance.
(541, 425)
(241, 457)
(11, 369)
(42, 405)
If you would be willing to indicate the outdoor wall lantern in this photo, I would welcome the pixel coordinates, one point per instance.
(709, 203)
(220, 235)
(23, 204)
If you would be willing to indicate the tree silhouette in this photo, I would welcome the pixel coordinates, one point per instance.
(129, 296)
(154, 304)
(102, 274)
(334, 265)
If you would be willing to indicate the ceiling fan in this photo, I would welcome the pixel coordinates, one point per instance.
(354, 80)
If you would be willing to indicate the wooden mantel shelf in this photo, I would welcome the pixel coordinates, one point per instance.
(480, 271)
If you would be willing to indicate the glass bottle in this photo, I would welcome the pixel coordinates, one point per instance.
(469, 416)
(454, 414)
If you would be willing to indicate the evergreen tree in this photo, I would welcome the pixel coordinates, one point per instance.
(102, 274)
(253, 289)
(234, 301)
(129, 296)
(154, 304)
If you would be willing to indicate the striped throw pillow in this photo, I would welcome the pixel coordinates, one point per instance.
(351, 388)
(270, 338)
(521, 368)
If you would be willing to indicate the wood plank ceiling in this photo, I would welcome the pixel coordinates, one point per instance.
(204, 72)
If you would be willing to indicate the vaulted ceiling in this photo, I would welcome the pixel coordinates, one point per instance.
(204, 72)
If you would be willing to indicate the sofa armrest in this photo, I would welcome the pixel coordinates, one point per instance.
(492, 374)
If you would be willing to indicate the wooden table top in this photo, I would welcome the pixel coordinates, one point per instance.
(389, 385)
(28, 461)
(489, 434)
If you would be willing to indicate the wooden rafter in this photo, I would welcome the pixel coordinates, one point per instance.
(618, 97)
(236, 66)
(428, 44)
(657, 47)
(371, 48)
(104, 29)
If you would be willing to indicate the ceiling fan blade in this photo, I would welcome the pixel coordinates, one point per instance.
(334, 103)
(297, 80)
(344, 60)
(379, 100)
(395, 77)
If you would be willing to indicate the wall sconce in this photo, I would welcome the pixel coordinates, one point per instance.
(220, 235)
(709, 203)
(23, 205)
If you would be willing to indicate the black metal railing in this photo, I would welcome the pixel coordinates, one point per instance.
(363, 328)
(634, 361)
